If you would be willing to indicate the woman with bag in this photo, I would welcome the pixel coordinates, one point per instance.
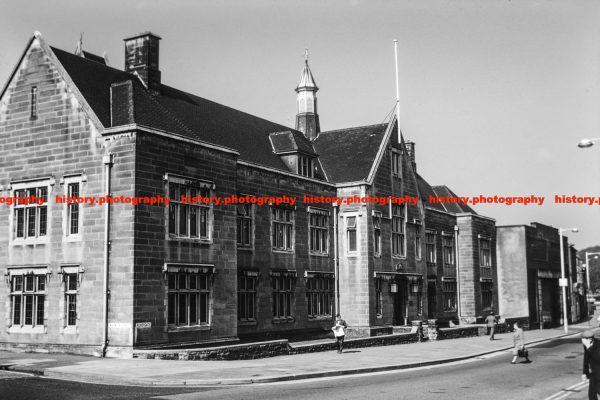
(519, 341)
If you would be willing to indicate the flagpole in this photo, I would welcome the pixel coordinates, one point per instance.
(397, 88)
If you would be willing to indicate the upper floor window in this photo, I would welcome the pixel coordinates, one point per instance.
(318, 227)
(418, 241)
(189, 218)
(305, 166)
(430, 247)
(351, 234)
(448, 249)
(399, 230)
(30, 211)
(485, 254)
(396, 163)
(244, 225)
(282, 228)
(377, 233)
(34, 102)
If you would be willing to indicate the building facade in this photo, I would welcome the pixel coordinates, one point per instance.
(195, 222)
(529, 270)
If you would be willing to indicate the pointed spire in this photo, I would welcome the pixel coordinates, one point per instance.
(307, 82)
(79, 48)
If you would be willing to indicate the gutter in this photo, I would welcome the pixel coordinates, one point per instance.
(108, 161)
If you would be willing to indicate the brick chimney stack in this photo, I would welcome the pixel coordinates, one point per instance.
(141, 56)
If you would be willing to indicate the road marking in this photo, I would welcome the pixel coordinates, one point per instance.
(565, 393)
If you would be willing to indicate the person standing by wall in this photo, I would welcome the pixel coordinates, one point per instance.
(339, 331)
(490, 321)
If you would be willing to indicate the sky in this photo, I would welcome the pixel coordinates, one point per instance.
(495, 93)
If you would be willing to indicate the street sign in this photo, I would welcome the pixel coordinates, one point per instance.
(563, 282)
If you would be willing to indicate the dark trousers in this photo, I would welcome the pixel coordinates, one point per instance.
(593, 389)
(339, 341)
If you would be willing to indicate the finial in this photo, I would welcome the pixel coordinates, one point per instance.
(79, 48)
(306, 55)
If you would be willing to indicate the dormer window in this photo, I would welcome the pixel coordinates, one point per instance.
(305, 166)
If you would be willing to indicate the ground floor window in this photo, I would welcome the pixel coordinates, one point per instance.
(319, 296)
(487, 299)
(246, 298)
(449, 295)
(28, 293)
(282, 287)
(188, 299)
(71, 288)
(378, 298)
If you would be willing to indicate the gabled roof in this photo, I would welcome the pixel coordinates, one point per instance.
(425, 190)
(94, 57)
(455, 208)
(347, 155)
(178, 112)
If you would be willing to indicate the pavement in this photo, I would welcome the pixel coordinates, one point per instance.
(142, 372)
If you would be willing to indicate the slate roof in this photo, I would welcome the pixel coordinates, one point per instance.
(291, 141)
(178, 112)
(425, 190)
(348, 154)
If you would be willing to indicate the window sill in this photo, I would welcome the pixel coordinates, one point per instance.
(30, 241)
(284, 320)
(399, 256)
(173, 328)
(281, 251)
(189, 240)
(320, 318)
(27, 329)
(379, 316)
(245, 248)
(315, 254)
(247, 322)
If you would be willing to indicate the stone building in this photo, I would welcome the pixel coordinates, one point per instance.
(529, 270)
(151, 257)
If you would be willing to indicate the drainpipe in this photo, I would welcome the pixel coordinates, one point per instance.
(335, 259)
(458, 307)
(107, 160)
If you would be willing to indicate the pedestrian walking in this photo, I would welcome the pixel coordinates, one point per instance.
(591, 363)
(339, 331)
(519, 349)
(490, 320)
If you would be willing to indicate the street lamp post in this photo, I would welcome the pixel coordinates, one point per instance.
(563, 280)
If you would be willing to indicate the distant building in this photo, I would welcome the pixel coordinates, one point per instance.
(105, 279)
(528, 274)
